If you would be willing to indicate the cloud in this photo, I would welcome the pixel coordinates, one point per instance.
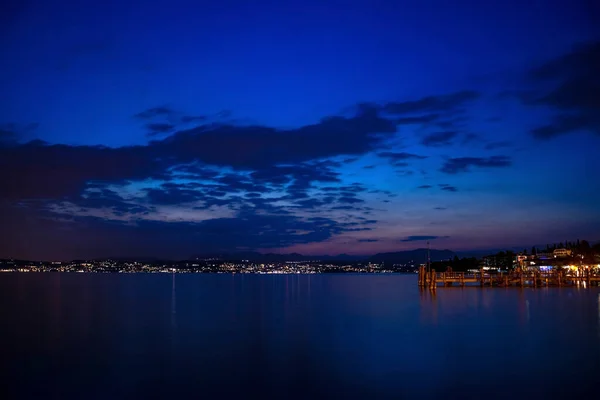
(400, 156)
(565, 123)
(422, 119)
(441, 103)
(154, 112)
(350, 200)
(209, 182)
(448, 188)
(400, 159)
(258, 147)
(470, 138)
(498, 145)
(11, 132)
(159, 128)
(424, 187)
(7, 134)
(440, 208)
(169, 195)
(574, 92)
(41, 170)
(422, 238)
(465, 164)
(445, 138)
(189, 118)
(367, 240)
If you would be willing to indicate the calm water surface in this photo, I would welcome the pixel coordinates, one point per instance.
(117, 336)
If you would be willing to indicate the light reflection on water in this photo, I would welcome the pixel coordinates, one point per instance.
(291, 336)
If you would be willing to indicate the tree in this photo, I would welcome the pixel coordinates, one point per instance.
(584, 246)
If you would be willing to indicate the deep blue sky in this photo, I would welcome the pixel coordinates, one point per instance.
(314, 126)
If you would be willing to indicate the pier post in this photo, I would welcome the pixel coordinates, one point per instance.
(432, 279)
(522, 281)
(588, 276)
(481, 277)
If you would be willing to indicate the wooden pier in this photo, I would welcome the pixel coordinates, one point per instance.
(432, 279)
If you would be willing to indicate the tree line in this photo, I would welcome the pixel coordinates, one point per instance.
(506, 259)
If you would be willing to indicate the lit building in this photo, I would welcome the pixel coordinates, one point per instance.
(562, 253)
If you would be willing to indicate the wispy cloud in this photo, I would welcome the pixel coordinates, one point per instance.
(422, 238)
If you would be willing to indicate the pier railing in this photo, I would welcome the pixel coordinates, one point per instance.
(433, 279)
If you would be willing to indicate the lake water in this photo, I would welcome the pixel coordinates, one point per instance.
(112, 336)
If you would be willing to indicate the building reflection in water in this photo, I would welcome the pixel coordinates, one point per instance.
(429, 306)
(173, 304)
(55, 319)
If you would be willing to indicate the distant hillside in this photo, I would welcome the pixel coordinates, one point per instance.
(276, 257)
(417, 256)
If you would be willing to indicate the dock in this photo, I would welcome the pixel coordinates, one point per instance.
(518, 278)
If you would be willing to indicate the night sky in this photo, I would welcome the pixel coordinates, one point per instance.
(174, 128)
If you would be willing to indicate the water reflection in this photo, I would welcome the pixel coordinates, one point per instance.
(340, 336)
(173, 303)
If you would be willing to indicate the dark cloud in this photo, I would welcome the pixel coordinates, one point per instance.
(580, 61)
(574, 94)
(367, 240)
(266, 180)
(103, 198)
(424, 187)
(346, 208)
(401, 156)
(41, 170)
(11, 132)
(464, 164)
(440, 208)
(37, 170)
(455, 123)
(257, 147)
(154, 112)
(498, 145)
(400, 159)
(173, 195)
(442, 103)
(85, 237)
(350, 200)
(369, 166)
(421, 238)
(159, 128)
(471, 138)
(186, 119)
(448, 188)
(422, 119)
(445, 138)
(568, 123)
(7, 135)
